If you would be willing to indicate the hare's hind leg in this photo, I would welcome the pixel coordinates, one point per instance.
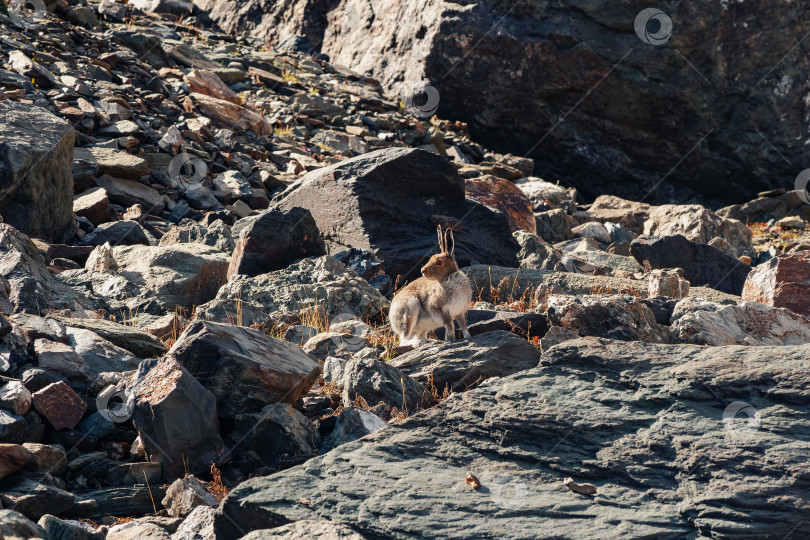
(462, 323)
(411, 315)
(449, 328)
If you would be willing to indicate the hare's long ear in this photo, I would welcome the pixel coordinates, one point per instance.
(441, 238)
(449, 242)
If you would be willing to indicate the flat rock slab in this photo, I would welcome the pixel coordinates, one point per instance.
(463, 364)
(116, 163)
(512, 280)
(642, 422)
(138, 342)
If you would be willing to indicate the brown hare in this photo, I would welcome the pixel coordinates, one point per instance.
(437, 299)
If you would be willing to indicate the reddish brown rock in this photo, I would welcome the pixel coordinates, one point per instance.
(12, 459)
(783, 281)
(503, 195)
(60, 405)
(205, 82)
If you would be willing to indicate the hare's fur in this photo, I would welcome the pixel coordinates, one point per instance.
(440, 297)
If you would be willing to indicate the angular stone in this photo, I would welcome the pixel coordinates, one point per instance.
(100, 355)
(94, 205)
(131, 192)
(307, 529)
(503, 196)
(376, 381)
(15, 525)
(176, 417)
(230, 115)
(12, 458)
(244, 368)
(116, 233)
(15, 398)
(699, 225)
(311, 286)
(34, 495)
(12, 428)
(554, 225)
(276, 432)
(138, 342)
(783, 281)
(273, 239)
(391, 200)
(36, 183)
(669, 283)
(115, 163)
(612, 316)
(60, 405)
(352, 424)
(46, 458)
(199, 525)
(217, 235)
(185, 494)
(61, 359)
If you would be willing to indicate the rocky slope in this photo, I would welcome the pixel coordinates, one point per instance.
(199, 241)
(571, 84)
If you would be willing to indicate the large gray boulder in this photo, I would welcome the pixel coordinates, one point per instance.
(389, 202)
(678, 440)
(36, 160)
(321, 287)
(244, 368)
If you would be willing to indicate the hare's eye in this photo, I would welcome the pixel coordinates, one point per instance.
(439, 263)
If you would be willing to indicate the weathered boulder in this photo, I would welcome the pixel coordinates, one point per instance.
(199, 525)
(100, 355)
(176, 417)
(617, 317)
(244, 368)
(376, 381)
(15, 398)
(768, 207)
(185, 494)
(154, 279)
(36, 184)
(389, 201)
(93, 204)
(273, 239)
(120, 166)
(321, 529)
(15, 525)
(698, 224)
(322, 287)
(702, 264)
(46, 458)
(612, 209)
(750, 323)
(69, 529)
(116, 233)
(137, 342)
(635, 419)
(277, 431)
(783, 281)
(464, 364)
(35, 494)
(535, 252)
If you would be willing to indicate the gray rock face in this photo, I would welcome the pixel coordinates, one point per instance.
(668, 459)
(386, 201)
(612, 316)
(244, 368)
(704, 114)
(36, 184)
(16, 525)
(464, 364)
